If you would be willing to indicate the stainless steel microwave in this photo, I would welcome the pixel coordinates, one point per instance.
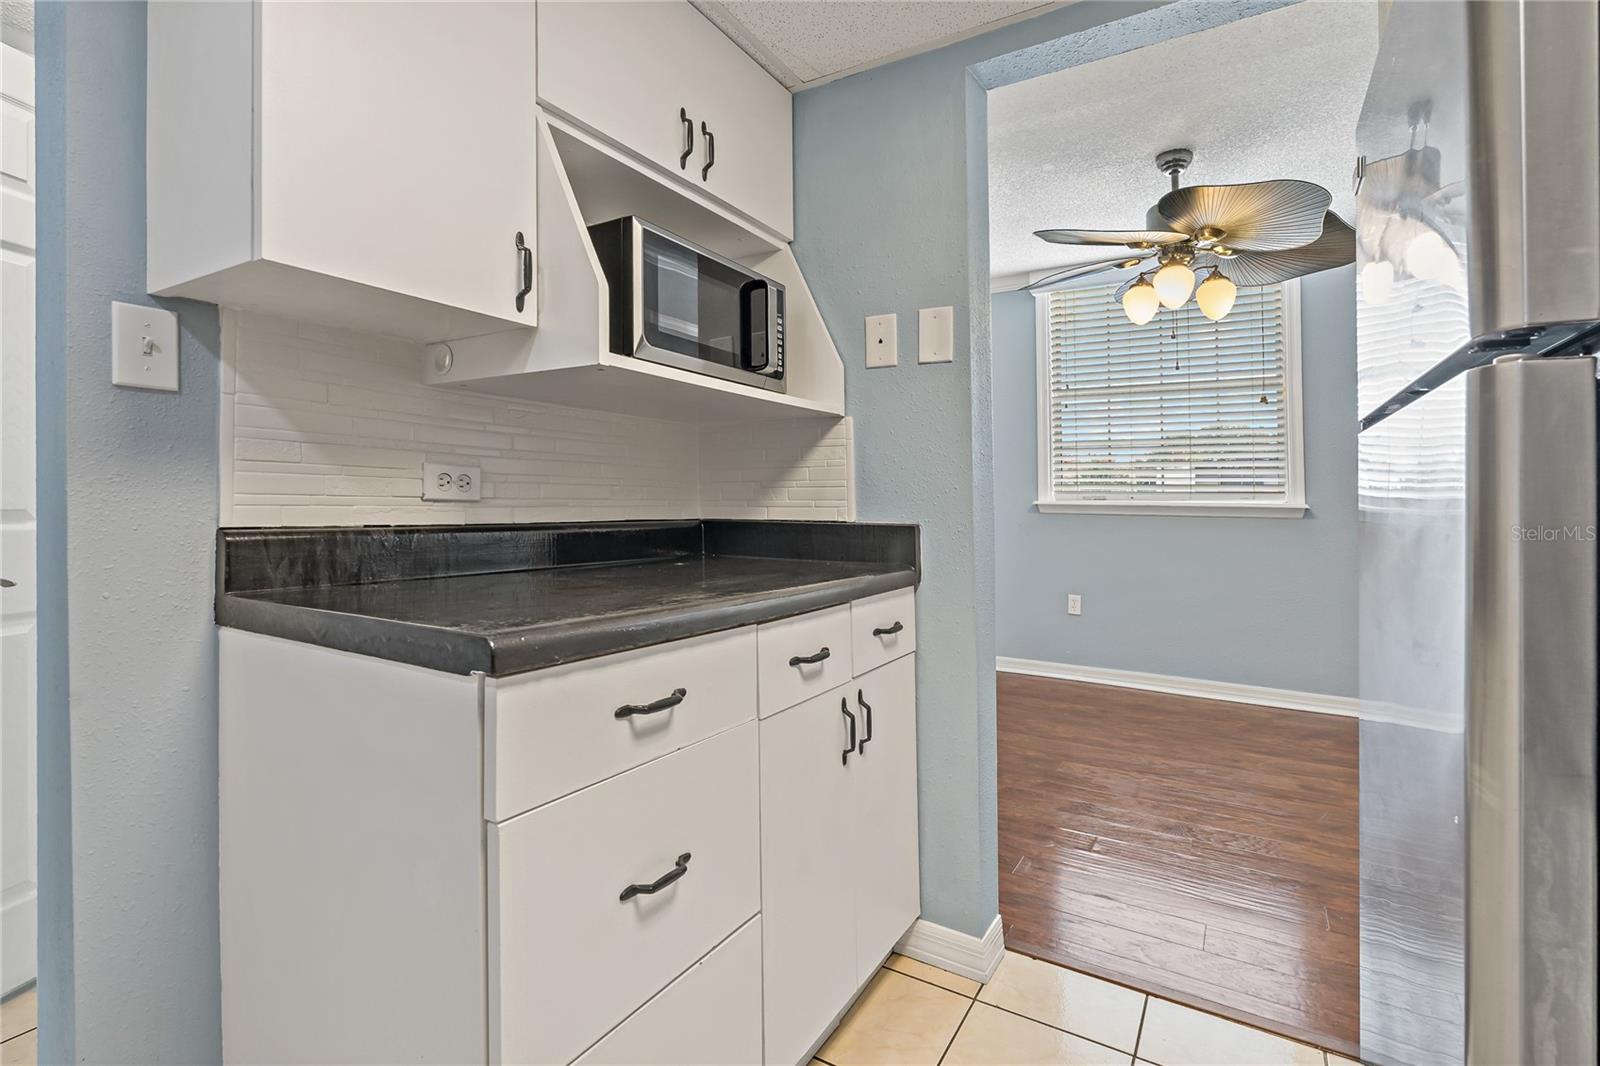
(678, 304)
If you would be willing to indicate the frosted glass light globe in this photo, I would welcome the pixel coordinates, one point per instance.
(1174, 282)
(1215, 296)
(1141, 303)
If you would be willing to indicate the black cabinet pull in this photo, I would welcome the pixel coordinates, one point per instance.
(525, 254)
(887, 631)
(679, 868)
(844, 705)
(866, 712)
(807, 660)
(628, 710)
(688, 138)
(711, 150)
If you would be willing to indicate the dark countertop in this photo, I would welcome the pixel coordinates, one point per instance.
(629, 585)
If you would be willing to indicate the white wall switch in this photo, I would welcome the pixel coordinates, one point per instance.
(883, 340)
(446, 481)
(936, 335)
(144, 347)
(1074, 603)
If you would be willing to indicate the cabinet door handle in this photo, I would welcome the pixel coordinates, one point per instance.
(888, 631)
(866, 712)
(711, 150)
(807, 660)
(628, 710)
(844, 705)
(525, 255)
(688, 138)
(679, 868)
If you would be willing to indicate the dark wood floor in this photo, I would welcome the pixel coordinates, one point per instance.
(1201, 850)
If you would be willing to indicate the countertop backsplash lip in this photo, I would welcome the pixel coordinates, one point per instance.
(429, 596)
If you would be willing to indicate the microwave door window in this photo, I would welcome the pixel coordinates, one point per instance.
(691, 303)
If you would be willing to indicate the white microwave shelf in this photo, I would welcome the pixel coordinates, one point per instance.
(567, 359)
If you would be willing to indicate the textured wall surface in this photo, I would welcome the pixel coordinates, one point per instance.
(128, 511)
(328, 427)
(1256, 601)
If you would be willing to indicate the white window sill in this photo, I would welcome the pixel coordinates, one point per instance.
(1197, 508)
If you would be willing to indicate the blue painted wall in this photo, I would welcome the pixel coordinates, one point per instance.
(1258, 601)
(891, 215)
(127, 515)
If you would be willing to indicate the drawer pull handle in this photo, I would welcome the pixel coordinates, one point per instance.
(807, 660)
(679, 868)
(866, 712)
(628, 710)
(888, 631)
(844, 705)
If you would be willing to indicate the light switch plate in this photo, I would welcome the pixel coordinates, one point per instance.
(451, 483)
(144, 347)
(883, 340)
(936, 335)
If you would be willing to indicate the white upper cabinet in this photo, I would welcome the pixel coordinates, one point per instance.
(367, 165)
(661, 81)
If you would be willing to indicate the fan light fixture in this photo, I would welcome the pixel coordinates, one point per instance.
(1174, 284)
(1262, 232)
(1216, 295)
(1141, 302)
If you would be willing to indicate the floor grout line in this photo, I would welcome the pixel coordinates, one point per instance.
(1144, 1010)
(1057, 1028)
(935, 984)
(964, 1015)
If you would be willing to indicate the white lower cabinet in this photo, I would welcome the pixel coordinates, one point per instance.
(710, 1016)
(884, 866)
(613, 861)
(809, 963)
(839, 868)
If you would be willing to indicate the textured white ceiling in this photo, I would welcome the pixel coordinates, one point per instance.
(801, 42)
(1271, 96)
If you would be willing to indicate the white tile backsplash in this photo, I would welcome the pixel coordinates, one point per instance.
(326, 427)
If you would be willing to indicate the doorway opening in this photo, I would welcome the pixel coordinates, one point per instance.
(1175, 525)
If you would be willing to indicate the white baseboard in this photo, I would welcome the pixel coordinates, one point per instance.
(1289, 699)
(958, 952)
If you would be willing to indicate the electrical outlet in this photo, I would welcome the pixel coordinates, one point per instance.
(444, 481)
(1074, 603)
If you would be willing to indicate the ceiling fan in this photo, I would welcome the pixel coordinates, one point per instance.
(1258, 233)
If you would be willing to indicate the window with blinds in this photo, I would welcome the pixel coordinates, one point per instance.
(1179, 415)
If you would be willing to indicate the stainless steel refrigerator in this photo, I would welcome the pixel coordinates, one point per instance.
(1478, 294)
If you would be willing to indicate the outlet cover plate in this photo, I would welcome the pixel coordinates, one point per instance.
(936, 335)
(883, 340)
(144, 347)
(451, 483)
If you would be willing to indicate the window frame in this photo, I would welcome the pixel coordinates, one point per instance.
(1293, 505)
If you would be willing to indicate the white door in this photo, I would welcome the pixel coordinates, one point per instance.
(884, 787)
(397, 147)
(19, 905)
(807, 899)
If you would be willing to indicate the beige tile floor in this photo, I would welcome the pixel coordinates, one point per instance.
(19, 1029)
(913, 1014)
(1034, 1012)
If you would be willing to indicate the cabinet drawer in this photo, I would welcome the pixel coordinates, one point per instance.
(883, 628)
(801, 657)
(568, 957)
(555, 731)
(711, 1015)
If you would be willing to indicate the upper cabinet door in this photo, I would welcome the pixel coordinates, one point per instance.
(396, 147)
(661, 81)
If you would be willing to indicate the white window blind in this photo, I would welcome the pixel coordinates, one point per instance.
(1182, 411)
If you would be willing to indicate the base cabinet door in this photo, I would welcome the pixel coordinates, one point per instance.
(807, 894)
(885, 870)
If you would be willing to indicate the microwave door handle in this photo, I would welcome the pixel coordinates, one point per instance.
(751, 291)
